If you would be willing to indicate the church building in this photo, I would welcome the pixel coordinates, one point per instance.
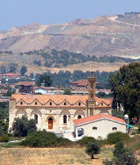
(56, 113)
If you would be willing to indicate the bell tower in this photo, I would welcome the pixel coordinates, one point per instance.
(91, 94)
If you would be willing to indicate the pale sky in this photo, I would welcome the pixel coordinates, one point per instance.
(24, 12)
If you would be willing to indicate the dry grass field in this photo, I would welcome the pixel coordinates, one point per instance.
(51, 156)
(88, 66)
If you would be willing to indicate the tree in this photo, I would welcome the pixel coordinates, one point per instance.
(67, 92)
(125, 86)
(22, 126)
(122, 156)
(119, 149)
(13, 68)
(44, 78)
(23, 70)
(92, 149)
(3, 69)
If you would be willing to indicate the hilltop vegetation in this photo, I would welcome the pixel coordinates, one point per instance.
(54, 58)
(130, 17)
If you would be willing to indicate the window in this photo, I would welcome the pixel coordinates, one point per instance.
(114, 128)
(21, 103)
(65, 119)
(94, 128)
(36, 118)
(80, 132)
(35, 103)
(79, 116)
(102, 104)
(79, 104)
(64, 103)
(50, 103)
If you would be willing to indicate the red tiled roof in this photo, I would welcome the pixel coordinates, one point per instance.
(72, 99)
(80, 82)
(11, 74)
(79, 89)
(26, 83)
(97, 117)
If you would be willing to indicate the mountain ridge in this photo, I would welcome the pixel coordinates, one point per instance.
(117, 35)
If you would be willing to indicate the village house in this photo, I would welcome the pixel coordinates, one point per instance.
(98, 126)
(25, 86)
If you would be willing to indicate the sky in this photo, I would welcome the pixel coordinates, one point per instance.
(24, 12)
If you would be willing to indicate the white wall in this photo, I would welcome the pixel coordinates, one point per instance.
(104, 127)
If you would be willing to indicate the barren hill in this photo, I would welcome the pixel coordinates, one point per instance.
(110, 35)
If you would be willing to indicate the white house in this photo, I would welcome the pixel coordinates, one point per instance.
(98, 126)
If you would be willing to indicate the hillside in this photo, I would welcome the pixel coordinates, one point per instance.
(109, 35)
(55, 61)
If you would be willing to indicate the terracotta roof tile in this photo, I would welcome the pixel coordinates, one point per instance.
(80, 82)
(11, 74)
(57, 99)
(97, 117)
(26, 83)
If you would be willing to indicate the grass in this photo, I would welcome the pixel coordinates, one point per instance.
(8, 145)
(15, 138)
(55, 156)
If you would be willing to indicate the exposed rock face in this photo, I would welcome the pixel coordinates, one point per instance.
(114, 35)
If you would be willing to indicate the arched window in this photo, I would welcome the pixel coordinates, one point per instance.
(36, 118)
(94, 128)
(35, 103)
(64, 103)
(50, 103)
(65, 119)
(114, 128)
(79, 116)
(21, 103)
(79, 104)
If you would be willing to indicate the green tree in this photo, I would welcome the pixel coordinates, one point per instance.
(67, 92)
(125, 86)
(13, 68)
(92, 148)
(139, 127)
(44, 78)
(122, 156)
(23, 70)
(22, 126)
(3, 126)
(3, 69)
(119, 149)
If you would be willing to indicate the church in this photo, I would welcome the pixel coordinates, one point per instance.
(57, 113)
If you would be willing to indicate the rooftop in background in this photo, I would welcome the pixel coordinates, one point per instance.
(98, 117)
(26, 83)
(11, 75)
(82, 83)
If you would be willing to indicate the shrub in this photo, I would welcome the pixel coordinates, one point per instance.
(116, 137)
(85, 140)
(4, 138)
(122, 156)
(119, 149)
(22, 126)
(63, 142)
(139, 127)
(45, 139)
(92, 148)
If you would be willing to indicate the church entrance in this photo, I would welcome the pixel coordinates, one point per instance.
(50, 123)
